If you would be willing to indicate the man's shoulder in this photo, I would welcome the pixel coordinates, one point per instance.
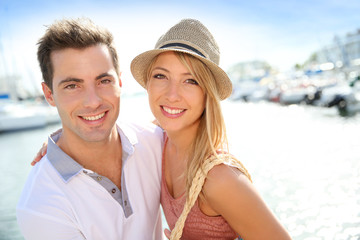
(42, 180)
(40, 171)
(43, 207)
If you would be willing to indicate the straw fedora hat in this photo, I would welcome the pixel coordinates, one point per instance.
(192, 37)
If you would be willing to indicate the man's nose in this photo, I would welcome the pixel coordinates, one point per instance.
(92, 98)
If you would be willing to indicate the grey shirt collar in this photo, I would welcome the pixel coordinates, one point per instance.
(68, 167)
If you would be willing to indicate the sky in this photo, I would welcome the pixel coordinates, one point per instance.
(280, 32)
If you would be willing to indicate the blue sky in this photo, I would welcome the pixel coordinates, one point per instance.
(280, 32)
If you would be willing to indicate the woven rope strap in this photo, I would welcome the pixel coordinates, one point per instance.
(197, 185)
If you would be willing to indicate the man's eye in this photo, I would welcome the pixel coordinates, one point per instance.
(70, 86)
(105, 81)
(192, 81)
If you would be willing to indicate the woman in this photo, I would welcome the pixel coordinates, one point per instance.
(185, 86)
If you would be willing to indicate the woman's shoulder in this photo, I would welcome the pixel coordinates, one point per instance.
(223, 179)
(224, 186)
(225, 166)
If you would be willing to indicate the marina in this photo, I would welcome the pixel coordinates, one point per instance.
(293, 118)
(326, 90)
(304, 161)
(15, 116)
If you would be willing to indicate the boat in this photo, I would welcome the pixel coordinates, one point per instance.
(21, 108)
(348, 100)
(295, 96)
(27, 114)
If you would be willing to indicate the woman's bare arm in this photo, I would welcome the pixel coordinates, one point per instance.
(229, 193)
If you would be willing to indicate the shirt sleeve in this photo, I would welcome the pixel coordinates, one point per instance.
(38, 226)
(158, 230)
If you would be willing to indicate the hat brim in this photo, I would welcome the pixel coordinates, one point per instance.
(141, 62)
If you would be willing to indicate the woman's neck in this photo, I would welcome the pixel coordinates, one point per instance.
(181, 140)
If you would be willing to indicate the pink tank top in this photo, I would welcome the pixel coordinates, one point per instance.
(197, 224)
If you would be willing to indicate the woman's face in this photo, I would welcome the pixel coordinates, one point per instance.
(175, 98)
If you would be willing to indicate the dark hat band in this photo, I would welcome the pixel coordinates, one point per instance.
(181, 45)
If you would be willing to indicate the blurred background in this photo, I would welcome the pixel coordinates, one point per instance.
(293, 118)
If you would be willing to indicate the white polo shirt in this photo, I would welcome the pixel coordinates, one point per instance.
(62, 200)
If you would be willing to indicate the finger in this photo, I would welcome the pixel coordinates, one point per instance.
(43, 149)
(167, 233)
(39, 154)
(35, 160)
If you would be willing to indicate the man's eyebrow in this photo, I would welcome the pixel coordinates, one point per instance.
(104, 75)
(67, 80)
(78, 80)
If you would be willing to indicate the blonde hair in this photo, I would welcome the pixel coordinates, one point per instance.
(211, 134)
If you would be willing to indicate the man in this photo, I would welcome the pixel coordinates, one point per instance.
(98, 180)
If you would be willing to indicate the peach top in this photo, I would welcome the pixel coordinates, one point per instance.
(197, 225)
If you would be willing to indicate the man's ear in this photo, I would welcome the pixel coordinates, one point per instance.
(120, 82)
(48, 94)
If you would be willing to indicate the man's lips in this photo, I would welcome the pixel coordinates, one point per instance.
(93, 117)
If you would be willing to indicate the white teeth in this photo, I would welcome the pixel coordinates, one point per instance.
(173, 111)
(93, 118)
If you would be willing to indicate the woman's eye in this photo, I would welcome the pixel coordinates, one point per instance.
(192, 81)
(159, 76)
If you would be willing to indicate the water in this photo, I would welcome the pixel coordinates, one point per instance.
(304, 162)
(16, 150)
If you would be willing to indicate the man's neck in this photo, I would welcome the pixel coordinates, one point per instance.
(103, 157)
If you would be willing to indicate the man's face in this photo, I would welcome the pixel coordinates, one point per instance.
(86, 92)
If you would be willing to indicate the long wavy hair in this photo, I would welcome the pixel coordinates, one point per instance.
(211, 134)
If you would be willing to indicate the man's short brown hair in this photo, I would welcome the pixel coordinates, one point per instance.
(71, 33)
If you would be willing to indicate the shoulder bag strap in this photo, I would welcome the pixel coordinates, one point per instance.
(197, 185)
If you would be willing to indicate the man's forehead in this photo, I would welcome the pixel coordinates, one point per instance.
(91, 61)
(74, 53)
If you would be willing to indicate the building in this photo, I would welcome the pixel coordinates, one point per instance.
(342, 54)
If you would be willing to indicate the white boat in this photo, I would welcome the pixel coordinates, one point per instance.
(26, 114)
(293, 96)
(17, 113)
